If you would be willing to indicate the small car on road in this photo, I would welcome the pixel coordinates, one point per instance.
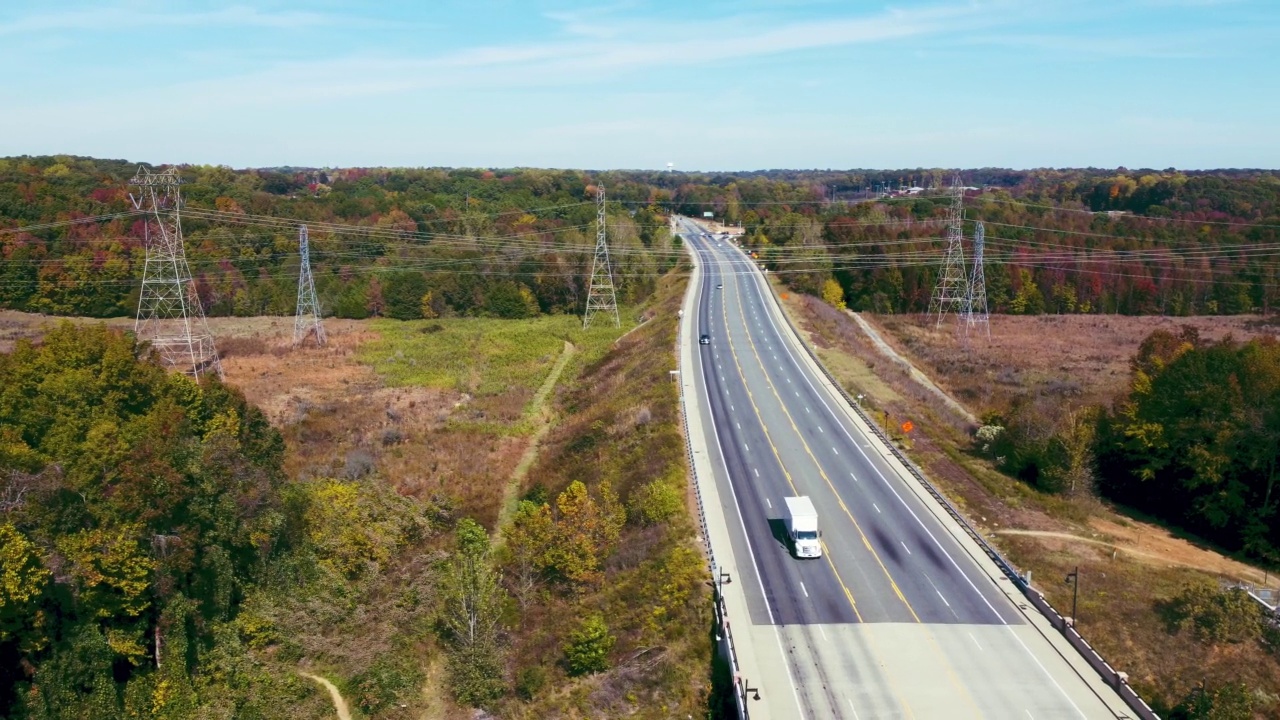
(704, 340)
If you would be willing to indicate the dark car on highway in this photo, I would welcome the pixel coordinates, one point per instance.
(704, 340)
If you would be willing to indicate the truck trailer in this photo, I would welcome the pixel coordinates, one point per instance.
(802, 527)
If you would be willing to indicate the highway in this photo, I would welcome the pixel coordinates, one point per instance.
(898, 618)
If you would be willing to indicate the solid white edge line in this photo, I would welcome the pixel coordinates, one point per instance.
(777, 634)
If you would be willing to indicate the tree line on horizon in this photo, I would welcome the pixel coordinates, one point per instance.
(394, 243)
(512, 243)
(1055, 242)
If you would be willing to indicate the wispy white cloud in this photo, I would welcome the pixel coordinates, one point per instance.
(1139, 44)
(103, 19)
(1189, 3)
(596, 22)
(636, 49)
(577, 83)
(1153, 48)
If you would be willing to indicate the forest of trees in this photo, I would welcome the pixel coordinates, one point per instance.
(1194, 441)
(409, 243)
(136, 508)
(1055, 242)
(398, 243)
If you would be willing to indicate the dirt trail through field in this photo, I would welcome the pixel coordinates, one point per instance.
(1155, 546)
(542, 417)
(338, 703)
(912, 370)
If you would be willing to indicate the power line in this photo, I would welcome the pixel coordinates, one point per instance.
(1126, 215)
(74, 221)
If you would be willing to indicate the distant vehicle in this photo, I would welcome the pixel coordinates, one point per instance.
(802, 527)
(720, 286)
(704, 340)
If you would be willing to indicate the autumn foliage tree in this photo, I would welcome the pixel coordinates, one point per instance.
(471, 615)
(1196, 440)
(126, 490)
(586, 532)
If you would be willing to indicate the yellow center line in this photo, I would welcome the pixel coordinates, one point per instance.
(826, 554)
(777, 456)
(896, 590)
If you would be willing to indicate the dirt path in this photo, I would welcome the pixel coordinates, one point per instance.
(542, 417)
(915, 373)
(338, 703)
(1155, 546)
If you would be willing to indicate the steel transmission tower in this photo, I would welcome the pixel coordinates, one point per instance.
(308, 317)
(977, 312)
(952, 291)
(170, 315)
(600, 295)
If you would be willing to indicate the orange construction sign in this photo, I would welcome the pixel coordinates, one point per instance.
(908, 426)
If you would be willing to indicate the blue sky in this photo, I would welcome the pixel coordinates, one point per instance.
(714, 85)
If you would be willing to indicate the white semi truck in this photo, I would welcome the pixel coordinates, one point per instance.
(802, 527)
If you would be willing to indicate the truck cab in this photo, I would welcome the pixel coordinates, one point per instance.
(802, 527)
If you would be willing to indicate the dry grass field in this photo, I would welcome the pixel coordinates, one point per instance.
(435, 407)
(1082, 357)
(1128, 566)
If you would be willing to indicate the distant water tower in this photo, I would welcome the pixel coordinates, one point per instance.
(670, 166)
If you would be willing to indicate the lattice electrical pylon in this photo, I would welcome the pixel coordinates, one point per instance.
(952, 291)
(307, 320)
(170, 315)
(977, 313)
(600, 293)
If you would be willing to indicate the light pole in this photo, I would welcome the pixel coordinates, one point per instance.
(1073, 577)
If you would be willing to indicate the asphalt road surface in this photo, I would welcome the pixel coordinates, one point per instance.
(896, 619)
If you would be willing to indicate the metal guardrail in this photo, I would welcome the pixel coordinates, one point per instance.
(724, 631)
(1114, 678)
(1265, 597)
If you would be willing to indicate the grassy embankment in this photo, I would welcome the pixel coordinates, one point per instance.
(444, 418)
(1124, 590)
(621, 424)
(429, 415)
(396, 430)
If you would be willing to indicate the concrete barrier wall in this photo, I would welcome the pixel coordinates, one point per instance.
(1113, 678)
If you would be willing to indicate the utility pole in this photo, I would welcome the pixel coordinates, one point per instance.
(308, 315)
(977, 312)
(1073, 577)
(600, 293)
(170, 316)
(952, 291)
